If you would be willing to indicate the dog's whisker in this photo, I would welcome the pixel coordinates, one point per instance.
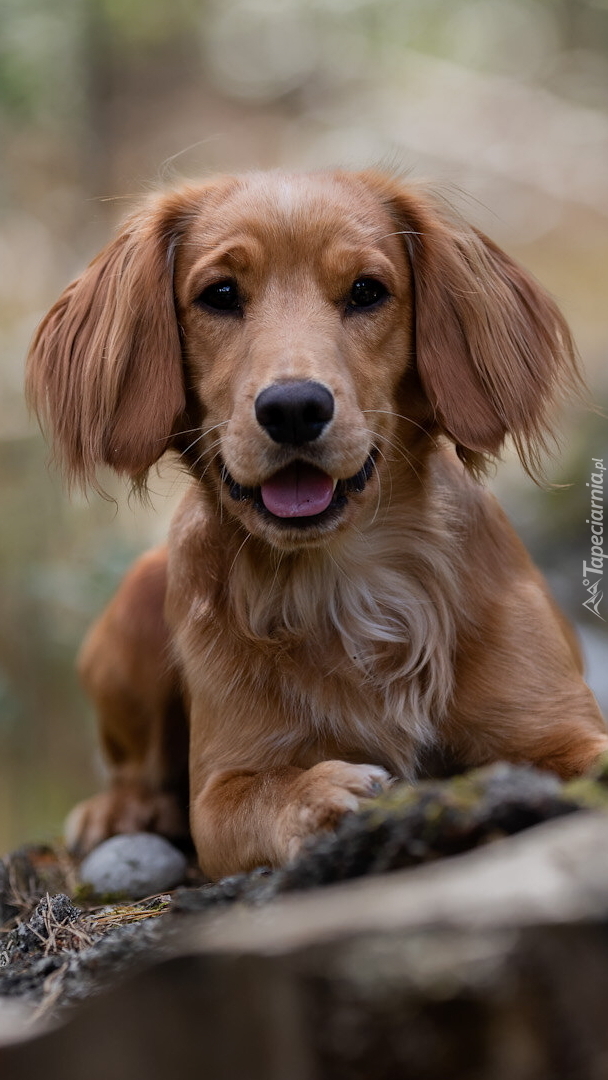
(408, 419)
(400, 450)
(376, 448)
(203, 434)
(247, 537)
(390, 477)
(281, 556)
(203, 454)
(379, 498)
(405, 454)
(186, 431)
(207, 449)
(209, 463)
(193, 443)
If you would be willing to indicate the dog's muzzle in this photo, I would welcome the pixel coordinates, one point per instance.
(300, 495)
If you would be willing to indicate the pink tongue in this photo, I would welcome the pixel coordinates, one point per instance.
(298, 490)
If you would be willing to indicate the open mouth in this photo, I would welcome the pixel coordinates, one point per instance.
(300, 495)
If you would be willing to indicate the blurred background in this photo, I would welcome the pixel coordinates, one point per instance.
(502, 103)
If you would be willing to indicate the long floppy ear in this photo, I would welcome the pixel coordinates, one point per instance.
(493, 351)
(105, 369)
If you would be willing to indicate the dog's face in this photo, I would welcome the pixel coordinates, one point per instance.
(295, 338)
(296, 306)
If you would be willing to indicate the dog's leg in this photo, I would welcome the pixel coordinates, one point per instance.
(567, 743)
(242, 819)
(126, 667)
(522, 697)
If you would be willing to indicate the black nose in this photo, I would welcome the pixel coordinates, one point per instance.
(294, 412)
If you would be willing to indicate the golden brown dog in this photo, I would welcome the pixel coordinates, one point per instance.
(334, 357)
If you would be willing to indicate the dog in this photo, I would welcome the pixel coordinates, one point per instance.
(335, 358)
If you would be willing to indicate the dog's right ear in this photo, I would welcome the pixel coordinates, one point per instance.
(493, 351)
(105, 367)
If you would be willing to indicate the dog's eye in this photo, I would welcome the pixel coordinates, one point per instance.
(221, 296)
(366, 292)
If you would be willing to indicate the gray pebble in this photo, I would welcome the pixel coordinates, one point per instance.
(134, 865)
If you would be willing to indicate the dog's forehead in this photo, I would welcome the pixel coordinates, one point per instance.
(305, 212)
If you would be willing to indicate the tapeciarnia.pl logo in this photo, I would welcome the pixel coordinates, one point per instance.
(593, 571)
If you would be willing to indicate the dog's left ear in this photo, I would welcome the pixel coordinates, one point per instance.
(105, 366)
(493, 351)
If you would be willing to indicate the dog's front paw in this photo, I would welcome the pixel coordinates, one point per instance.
(124, 808)
(321, 797)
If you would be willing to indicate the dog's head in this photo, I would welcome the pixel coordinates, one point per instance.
(292, 337)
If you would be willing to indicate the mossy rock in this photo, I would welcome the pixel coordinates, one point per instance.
(416, 823)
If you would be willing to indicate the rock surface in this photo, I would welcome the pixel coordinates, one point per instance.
(133, 866)
(491, 966)
(556, 873)
(488, 965)
(409, 826)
